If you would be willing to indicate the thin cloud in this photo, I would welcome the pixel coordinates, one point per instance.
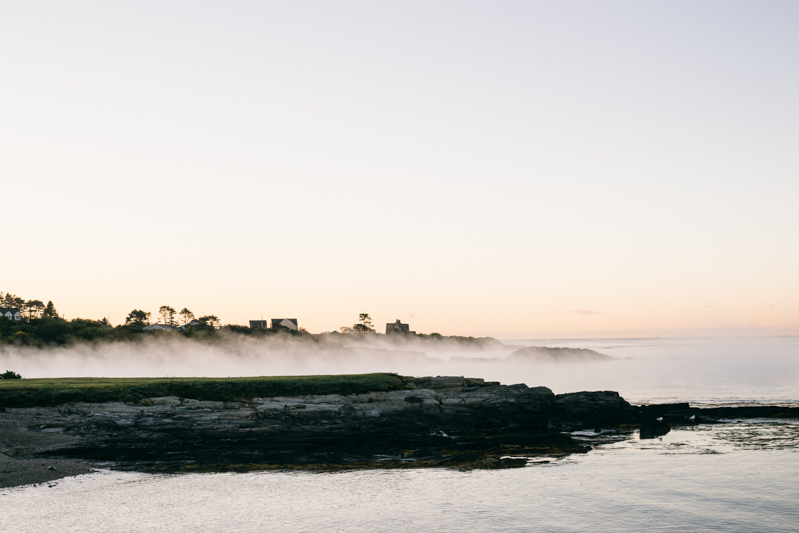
(584, 312)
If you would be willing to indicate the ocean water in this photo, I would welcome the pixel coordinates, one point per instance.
(740, 476)
(701, 370)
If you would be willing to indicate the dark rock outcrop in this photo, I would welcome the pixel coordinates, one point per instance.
(593, 409)
(658, 419)
(683, 413)
(434, 421)
(653, 428)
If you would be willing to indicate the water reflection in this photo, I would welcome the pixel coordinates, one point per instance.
(736, 477)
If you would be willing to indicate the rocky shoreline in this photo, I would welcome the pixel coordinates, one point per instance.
(434, 422)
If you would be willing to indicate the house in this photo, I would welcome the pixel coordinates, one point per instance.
(164, 327)
(191, 324)
(262, 324)
(11, 313)
(285, 323)
(398, 327)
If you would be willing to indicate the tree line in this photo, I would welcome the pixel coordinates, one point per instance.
(32, 309)
(364, 325)
(42, 325)
(29, 308)
(168, 315)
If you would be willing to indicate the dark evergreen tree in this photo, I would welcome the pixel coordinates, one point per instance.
(137, 317)
(364, 324)
(186, 316)
(49, 310)
(209, 320)
(34, 308)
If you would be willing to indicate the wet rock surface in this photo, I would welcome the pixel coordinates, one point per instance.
(435, 421)
(22, 444)
(593, 409)
(658, 419)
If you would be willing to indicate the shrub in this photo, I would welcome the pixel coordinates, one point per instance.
(8, 374)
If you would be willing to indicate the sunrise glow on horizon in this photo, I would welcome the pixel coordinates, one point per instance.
(581, 169)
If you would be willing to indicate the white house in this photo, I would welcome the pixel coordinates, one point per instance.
(11, 313)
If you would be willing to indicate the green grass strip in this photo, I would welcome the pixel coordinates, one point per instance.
(57, 391)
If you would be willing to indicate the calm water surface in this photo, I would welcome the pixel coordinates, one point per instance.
(739, 477)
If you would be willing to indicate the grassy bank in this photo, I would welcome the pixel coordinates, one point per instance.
(46, 392)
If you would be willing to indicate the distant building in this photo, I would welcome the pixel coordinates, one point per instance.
(191, 324)
(398, 327)
(11, 313)
(165, 327)
(285, 323)
(262, 324)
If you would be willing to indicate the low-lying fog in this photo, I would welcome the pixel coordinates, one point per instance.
(698, 369)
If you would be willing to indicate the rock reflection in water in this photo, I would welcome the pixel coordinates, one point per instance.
(737, 477)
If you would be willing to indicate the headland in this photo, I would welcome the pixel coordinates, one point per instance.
(317, 423)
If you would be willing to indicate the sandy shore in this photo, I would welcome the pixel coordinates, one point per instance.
(18, 445)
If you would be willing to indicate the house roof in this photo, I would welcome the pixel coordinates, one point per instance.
(191, 323)
(12, 309)
(290, 323)
(167, 327)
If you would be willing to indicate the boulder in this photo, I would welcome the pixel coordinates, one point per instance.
(593, 409)
(653, 427)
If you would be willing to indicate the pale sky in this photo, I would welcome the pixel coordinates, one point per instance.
(516, 169)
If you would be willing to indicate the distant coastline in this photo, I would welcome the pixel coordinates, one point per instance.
(31, 323)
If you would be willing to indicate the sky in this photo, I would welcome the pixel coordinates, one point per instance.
(514, 169)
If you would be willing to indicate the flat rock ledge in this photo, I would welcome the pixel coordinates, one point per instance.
(435, 422)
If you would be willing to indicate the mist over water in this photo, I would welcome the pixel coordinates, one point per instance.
(764, 369)
(737, 477)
